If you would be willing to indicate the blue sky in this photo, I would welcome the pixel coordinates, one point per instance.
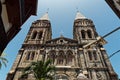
(62, 14)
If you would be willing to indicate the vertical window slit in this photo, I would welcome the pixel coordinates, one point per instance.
(83, 34)
(90, 55)
(95, 55)
(34, 35)
(40, 35)
(89, 33)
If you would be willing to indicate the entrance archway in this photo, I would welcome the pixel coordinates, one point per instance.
(61, 77)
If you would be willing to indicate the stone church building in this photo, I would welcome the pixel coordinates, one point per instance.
(80, 58)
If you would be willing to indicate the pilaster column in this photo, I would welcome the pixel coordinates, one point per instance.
(55, 63)
(76, 61)
(86, 36)
(94, 75)
(106, 60)
(46, 57)
(82, 58)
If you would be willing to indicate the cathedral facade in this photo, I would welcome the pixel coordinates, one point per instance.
(80, 58)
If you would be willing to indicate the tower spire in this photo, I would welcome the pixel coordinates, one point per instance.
(45, 17)
(79, 16)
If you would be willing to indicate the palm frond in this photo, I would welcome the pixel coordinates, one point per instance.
(40, 69)
(24, 75)
(3, 60)
(47, 63)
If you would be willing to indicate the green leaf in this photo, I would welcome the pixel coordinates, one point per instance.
(40, 69)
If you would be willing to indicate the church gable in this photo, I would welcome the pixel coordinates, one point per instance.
(62, 40)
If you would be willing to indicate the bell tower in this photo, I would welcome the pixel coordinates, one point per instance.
(40, 31)
(95, 63)
(84, 30)
(31, 50)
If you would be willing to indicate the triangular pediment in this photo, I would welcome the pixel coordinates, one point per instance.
(62, 40)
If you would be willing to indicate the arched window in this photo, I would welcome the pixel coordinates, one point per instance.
(32, 55)
(61, 57)
(89, 33)
(61, 77)
(34, 35)
(28, 56)
(83, 34)
(69, 57)
(52, 56)
(40, 35)
(95, 55)
(90, 55)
